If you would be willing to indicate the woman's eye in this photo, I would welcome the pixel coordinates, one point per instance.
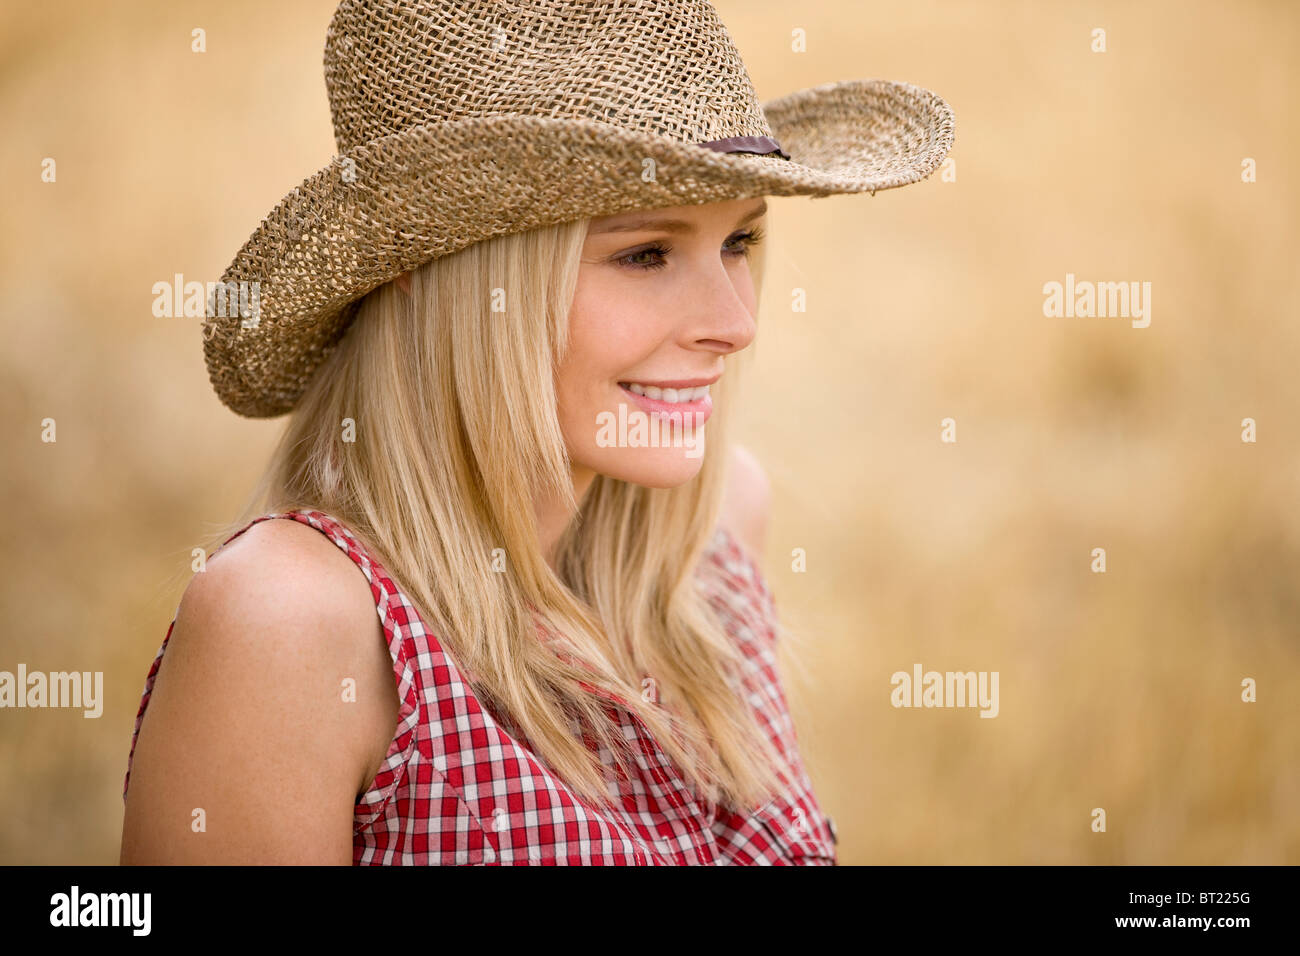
(633, 259)
(747, 241)
(653, 257)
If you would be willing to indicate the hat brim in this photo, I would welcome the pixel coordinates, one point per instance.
(393, 204)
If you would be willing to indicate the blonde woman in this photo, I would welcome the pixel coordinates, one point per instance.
(497, 599)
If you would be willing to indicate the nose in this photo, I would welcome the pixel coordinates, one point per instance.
(718, 314)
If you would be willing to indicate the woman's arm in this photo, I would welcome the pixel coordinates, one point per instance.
(250, 751)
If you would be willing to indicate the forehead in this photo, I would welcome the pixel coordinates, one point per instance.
(682, 218)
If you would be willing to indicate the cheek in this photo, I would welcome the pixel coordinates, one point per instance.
(611, 332)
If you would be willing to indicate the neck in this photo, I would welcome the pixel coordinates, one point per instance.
(554, 514)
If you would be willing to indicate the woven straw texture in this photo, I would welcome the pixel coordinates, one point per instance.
(460, 121)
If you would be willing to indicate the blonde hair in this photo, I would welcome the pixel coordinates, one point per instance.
(456, 434)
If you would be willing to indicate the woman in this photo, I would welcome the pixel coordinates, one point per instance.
(504, 338)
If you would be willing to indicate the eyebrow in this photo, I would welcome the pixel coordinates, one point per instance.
(670, 225)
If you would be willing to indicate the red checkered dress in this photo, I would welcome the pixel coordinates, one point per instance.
(458, 788)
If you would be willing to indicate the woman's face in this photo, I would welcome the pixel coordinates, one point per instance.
(663, 297)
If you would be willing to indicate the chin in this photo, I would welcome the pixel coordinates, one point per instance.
(652, 467)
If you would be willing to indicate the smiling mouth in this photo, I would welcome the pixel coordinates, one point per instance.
(673, 396)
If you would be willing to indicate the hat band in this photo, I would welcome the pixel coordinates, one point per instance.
(762, 145)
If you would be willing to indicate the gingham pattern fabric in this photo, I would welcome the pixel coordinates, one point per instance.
(459, 788)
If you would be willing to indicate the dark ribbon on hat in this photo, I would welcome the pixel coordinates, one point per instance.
(761, 145)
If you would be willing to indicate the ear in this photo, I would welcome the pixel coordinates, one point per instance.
(404, 282)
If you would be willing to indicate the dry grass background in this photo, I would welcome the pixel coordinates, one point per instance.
(1118, 690)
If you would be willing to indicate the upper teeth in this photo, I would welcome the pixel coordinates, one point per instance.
(669, 394)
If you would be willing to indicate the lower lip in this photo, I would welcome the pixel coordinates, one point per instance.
(701, 407)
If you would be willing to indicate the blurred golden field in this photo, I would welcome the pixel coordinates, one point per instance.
(1119, 690)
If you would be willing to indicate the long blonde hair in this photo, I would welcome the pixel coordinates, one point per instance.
(455, 433)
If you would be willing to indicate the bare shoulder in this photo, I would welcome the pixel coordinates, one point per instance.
(250, 720)
(746, 503)
(281, 593)
(290, 559)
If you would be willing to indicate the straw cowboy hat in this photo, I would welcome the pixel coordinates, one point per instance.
(460, 120)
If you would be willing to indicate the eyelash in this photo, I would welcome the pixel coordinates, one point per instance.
(749, 239)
